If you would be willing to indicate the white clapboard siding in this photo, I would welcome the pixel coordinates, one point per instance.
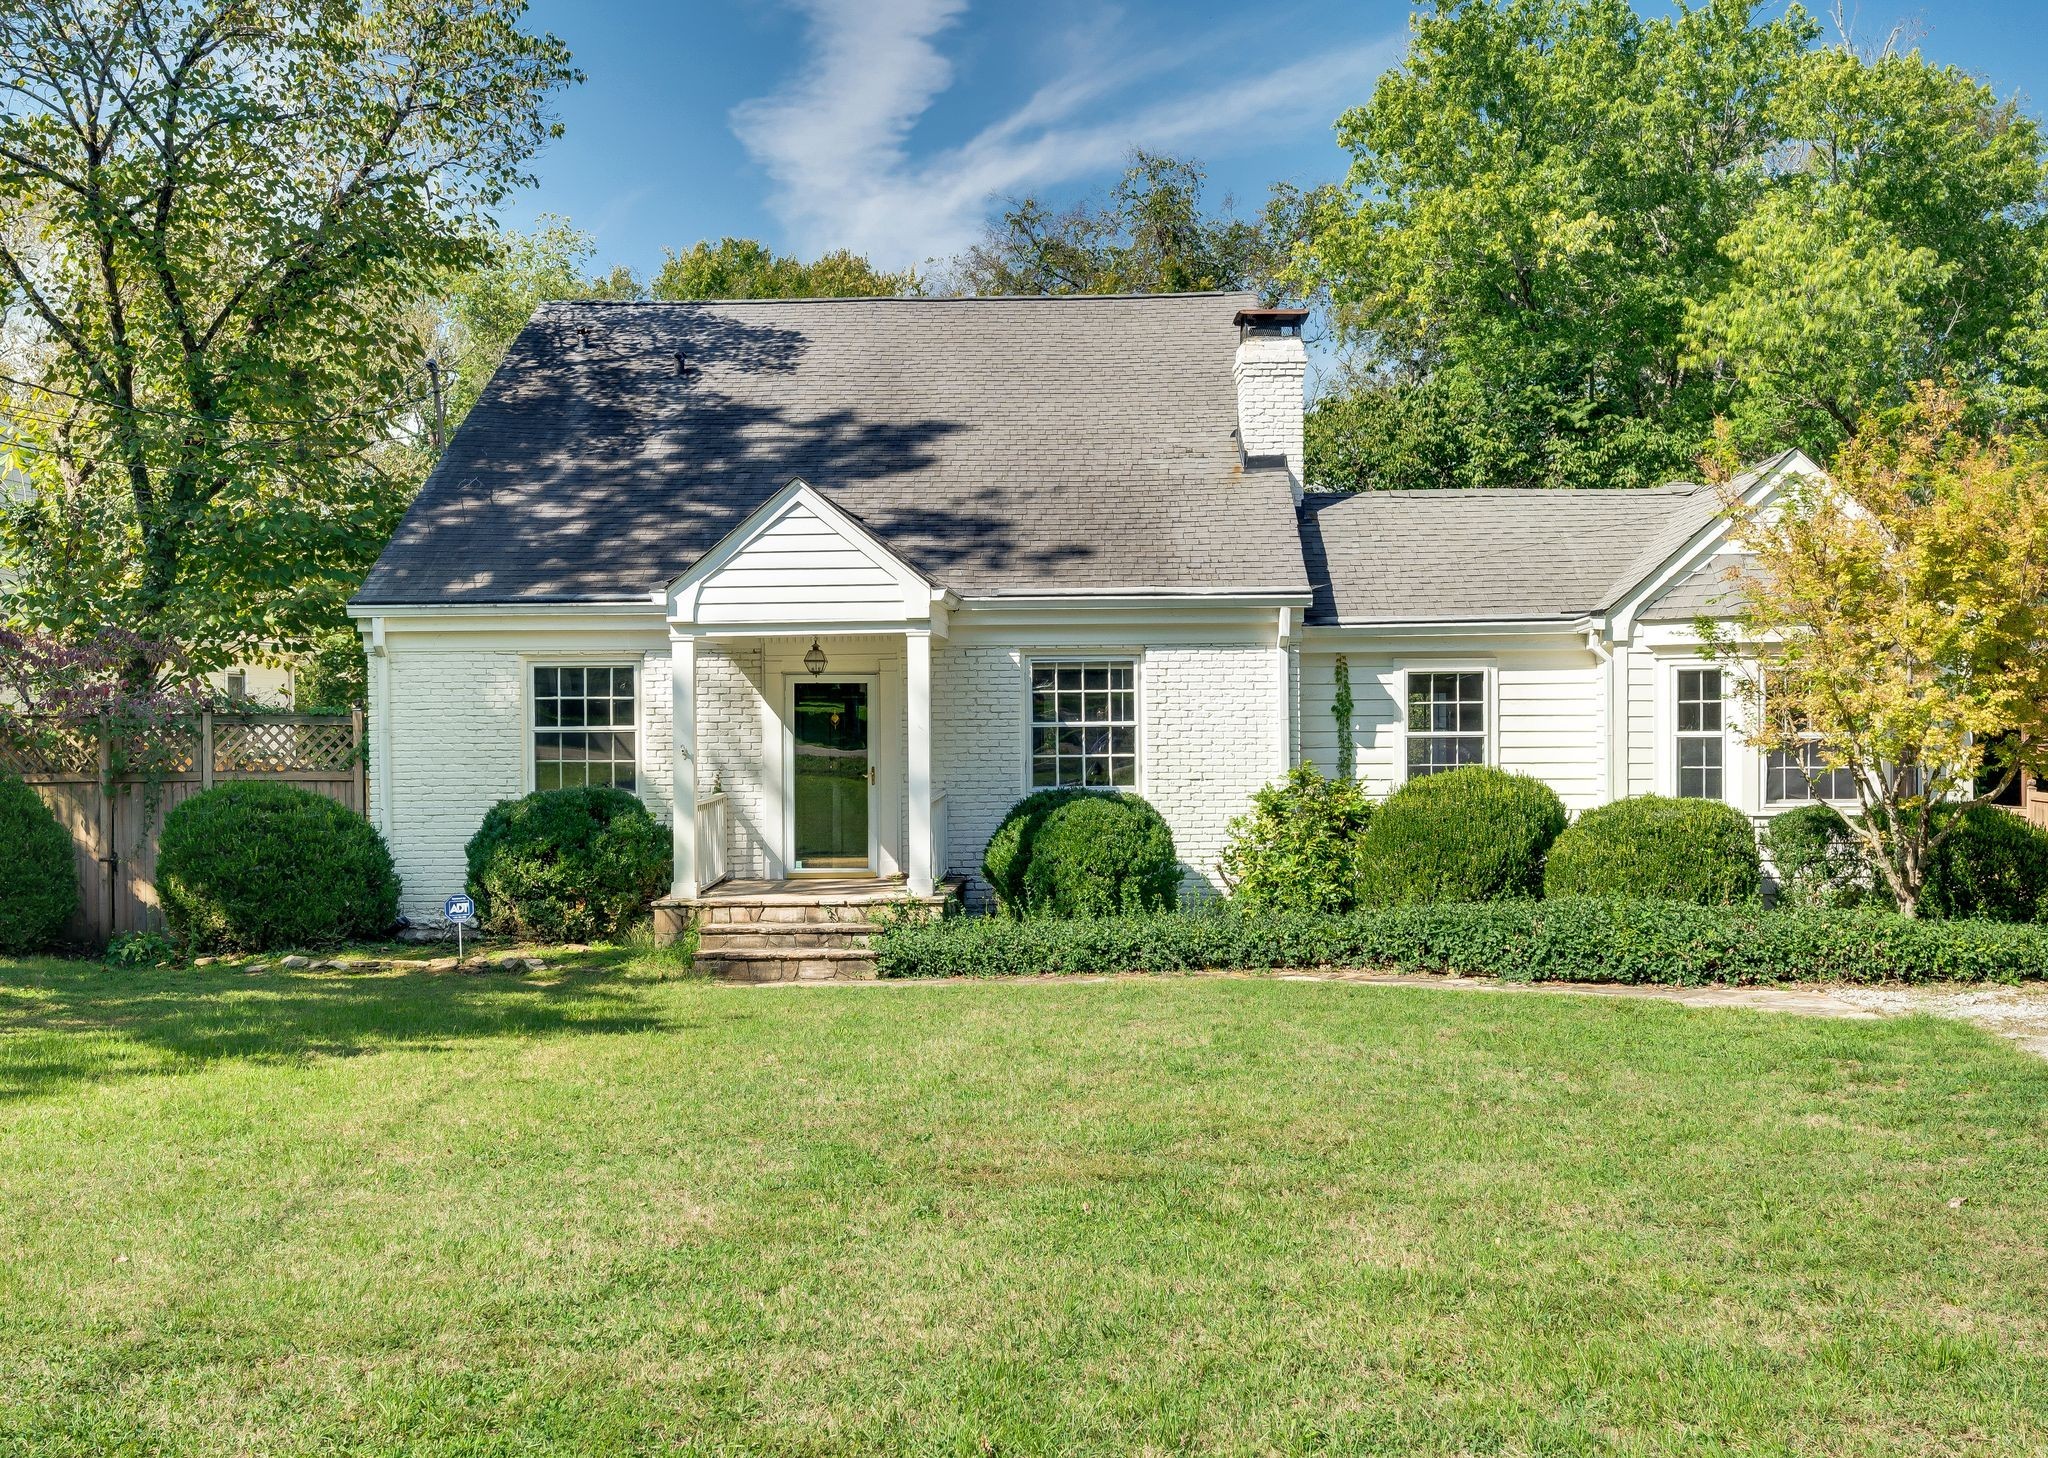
(1549, 724)
(798, 567)
(1373, 717)
(1548, 719)
(1642, 723)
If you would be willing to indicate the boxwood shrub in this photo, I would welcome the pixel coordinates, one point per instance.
(255, 864)
(1101, 854)
(1009, 849)
(1590, 939)
(1994, 865)
(568, 865)
(1472, 834)
(1817, 862)
(1298, 848)
(38, 873)
(1657, 847)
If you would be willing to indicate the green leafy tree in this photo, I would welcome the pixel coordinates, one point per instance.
(1901, 239)
(1539, 191)
(211, 213)
(1152, 234)
(741, 268)
(471, 318)
(1577, 237)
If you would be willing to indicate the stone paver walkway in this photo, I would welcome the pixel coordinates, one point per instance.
(2016, 1013)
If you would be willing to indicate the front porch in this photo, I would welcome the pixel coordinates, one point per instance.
(808, 929)
(800, 708)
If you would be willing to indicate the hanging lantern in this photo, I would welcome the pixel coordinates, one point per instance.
(814, 660)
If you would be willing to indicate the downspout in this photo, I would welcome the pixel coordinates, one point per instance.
(381, 744)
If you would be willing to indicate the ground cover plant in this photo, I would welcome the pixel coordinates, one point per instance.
(598, 1212)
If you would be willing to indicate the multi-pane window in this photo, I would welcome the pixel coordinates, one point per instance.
(1701, 744)
(1804, 775)
(1084, 724)
(1446, 721)
(583, 728)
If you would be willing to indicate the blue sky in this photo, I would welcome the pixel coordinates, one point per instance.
(888, 126)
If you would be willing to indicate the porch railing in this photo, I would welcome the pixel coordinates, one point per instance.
(939, 837)
(712, 814)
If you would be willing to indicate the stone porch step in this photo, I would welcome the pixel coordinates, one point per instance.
(786, 964)
(791, 931)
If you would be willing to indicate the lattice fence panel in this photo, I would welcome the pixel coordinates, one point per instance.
(50, 752)
(283, 746)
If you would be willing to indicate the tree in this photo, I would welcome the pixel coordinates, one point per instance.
(1577, 237)
(740, 268)
(1150, 235)
(1897, 617)
(473, 315)
(1901, 239)
(214, 211)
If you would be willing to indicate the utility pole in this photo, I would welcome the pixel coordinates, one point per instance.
(440, 433)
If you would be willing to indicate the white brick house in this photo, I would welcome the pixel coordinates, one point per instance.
(832, 583)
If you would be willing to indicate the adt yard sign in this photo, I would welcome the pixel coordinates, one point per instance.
(458, 909)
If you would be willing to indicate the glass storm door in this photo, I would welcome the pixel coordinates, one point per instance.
(833, 775)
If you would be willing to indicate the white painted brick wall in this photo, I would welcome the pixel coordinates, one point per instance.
(456, 742)
(1269, 373)
(978, 705)
(1212, 736)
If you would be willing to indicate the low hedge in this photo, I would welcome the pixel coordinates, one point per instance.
(1578, 939)
(1654, 847)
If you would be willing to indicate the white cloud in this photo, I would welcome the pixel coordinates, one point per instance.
(834, 140)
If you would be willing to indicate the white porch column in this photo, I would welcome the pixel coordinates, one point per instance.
(917, 657)
(683, 761)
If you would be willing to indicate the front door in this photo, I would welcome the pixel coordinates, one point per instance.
(834, 775)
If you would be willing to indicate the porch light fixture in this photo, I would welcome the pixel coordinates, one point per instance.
(814, 660)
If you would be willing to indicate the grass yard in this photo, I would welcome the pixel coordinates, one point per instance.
(606, 1212)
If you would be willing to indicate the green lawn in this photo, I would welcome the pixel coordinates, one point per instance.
(603, 1212)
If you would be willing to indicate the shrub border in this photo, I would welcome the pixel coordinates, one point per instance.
(1575, 939)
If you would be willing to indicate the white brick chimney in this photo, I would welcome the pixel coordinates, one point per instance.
(1271, 371)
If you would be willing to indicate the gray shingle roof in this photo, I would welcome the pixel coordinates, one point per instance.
(1448, 556)
(1710, 588)
(1002, 446)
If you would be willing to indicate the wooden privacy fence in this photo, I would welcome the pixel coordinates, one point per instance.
(114, 819)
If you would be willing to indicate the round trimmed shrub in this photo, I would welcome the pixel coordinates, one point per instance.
(1993, 867)
(571, 865)
(1297, 849)
(255, 864)
(1653, 847)
(1009, 849)
(38, 875)
(1816, 861)
(1099, 855)
(1471, 834)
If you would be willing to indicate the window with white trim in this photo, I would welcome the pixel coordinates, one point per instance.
(1792, 776)
(1446, 721)
(1084, 723)
(1701, 744)
(583, 727)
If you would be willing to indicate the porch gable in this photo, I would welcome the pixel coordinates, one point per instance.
(798, 559)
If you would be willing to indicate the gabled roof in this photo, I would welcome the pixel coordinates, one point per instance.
(1497, 555)
(1000, 446)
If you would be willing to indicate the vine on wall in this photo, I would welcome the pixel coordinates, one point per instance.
(1340, 708)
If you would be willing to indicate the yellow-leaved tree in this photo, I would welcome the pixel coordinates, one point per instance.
(1896, 617)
